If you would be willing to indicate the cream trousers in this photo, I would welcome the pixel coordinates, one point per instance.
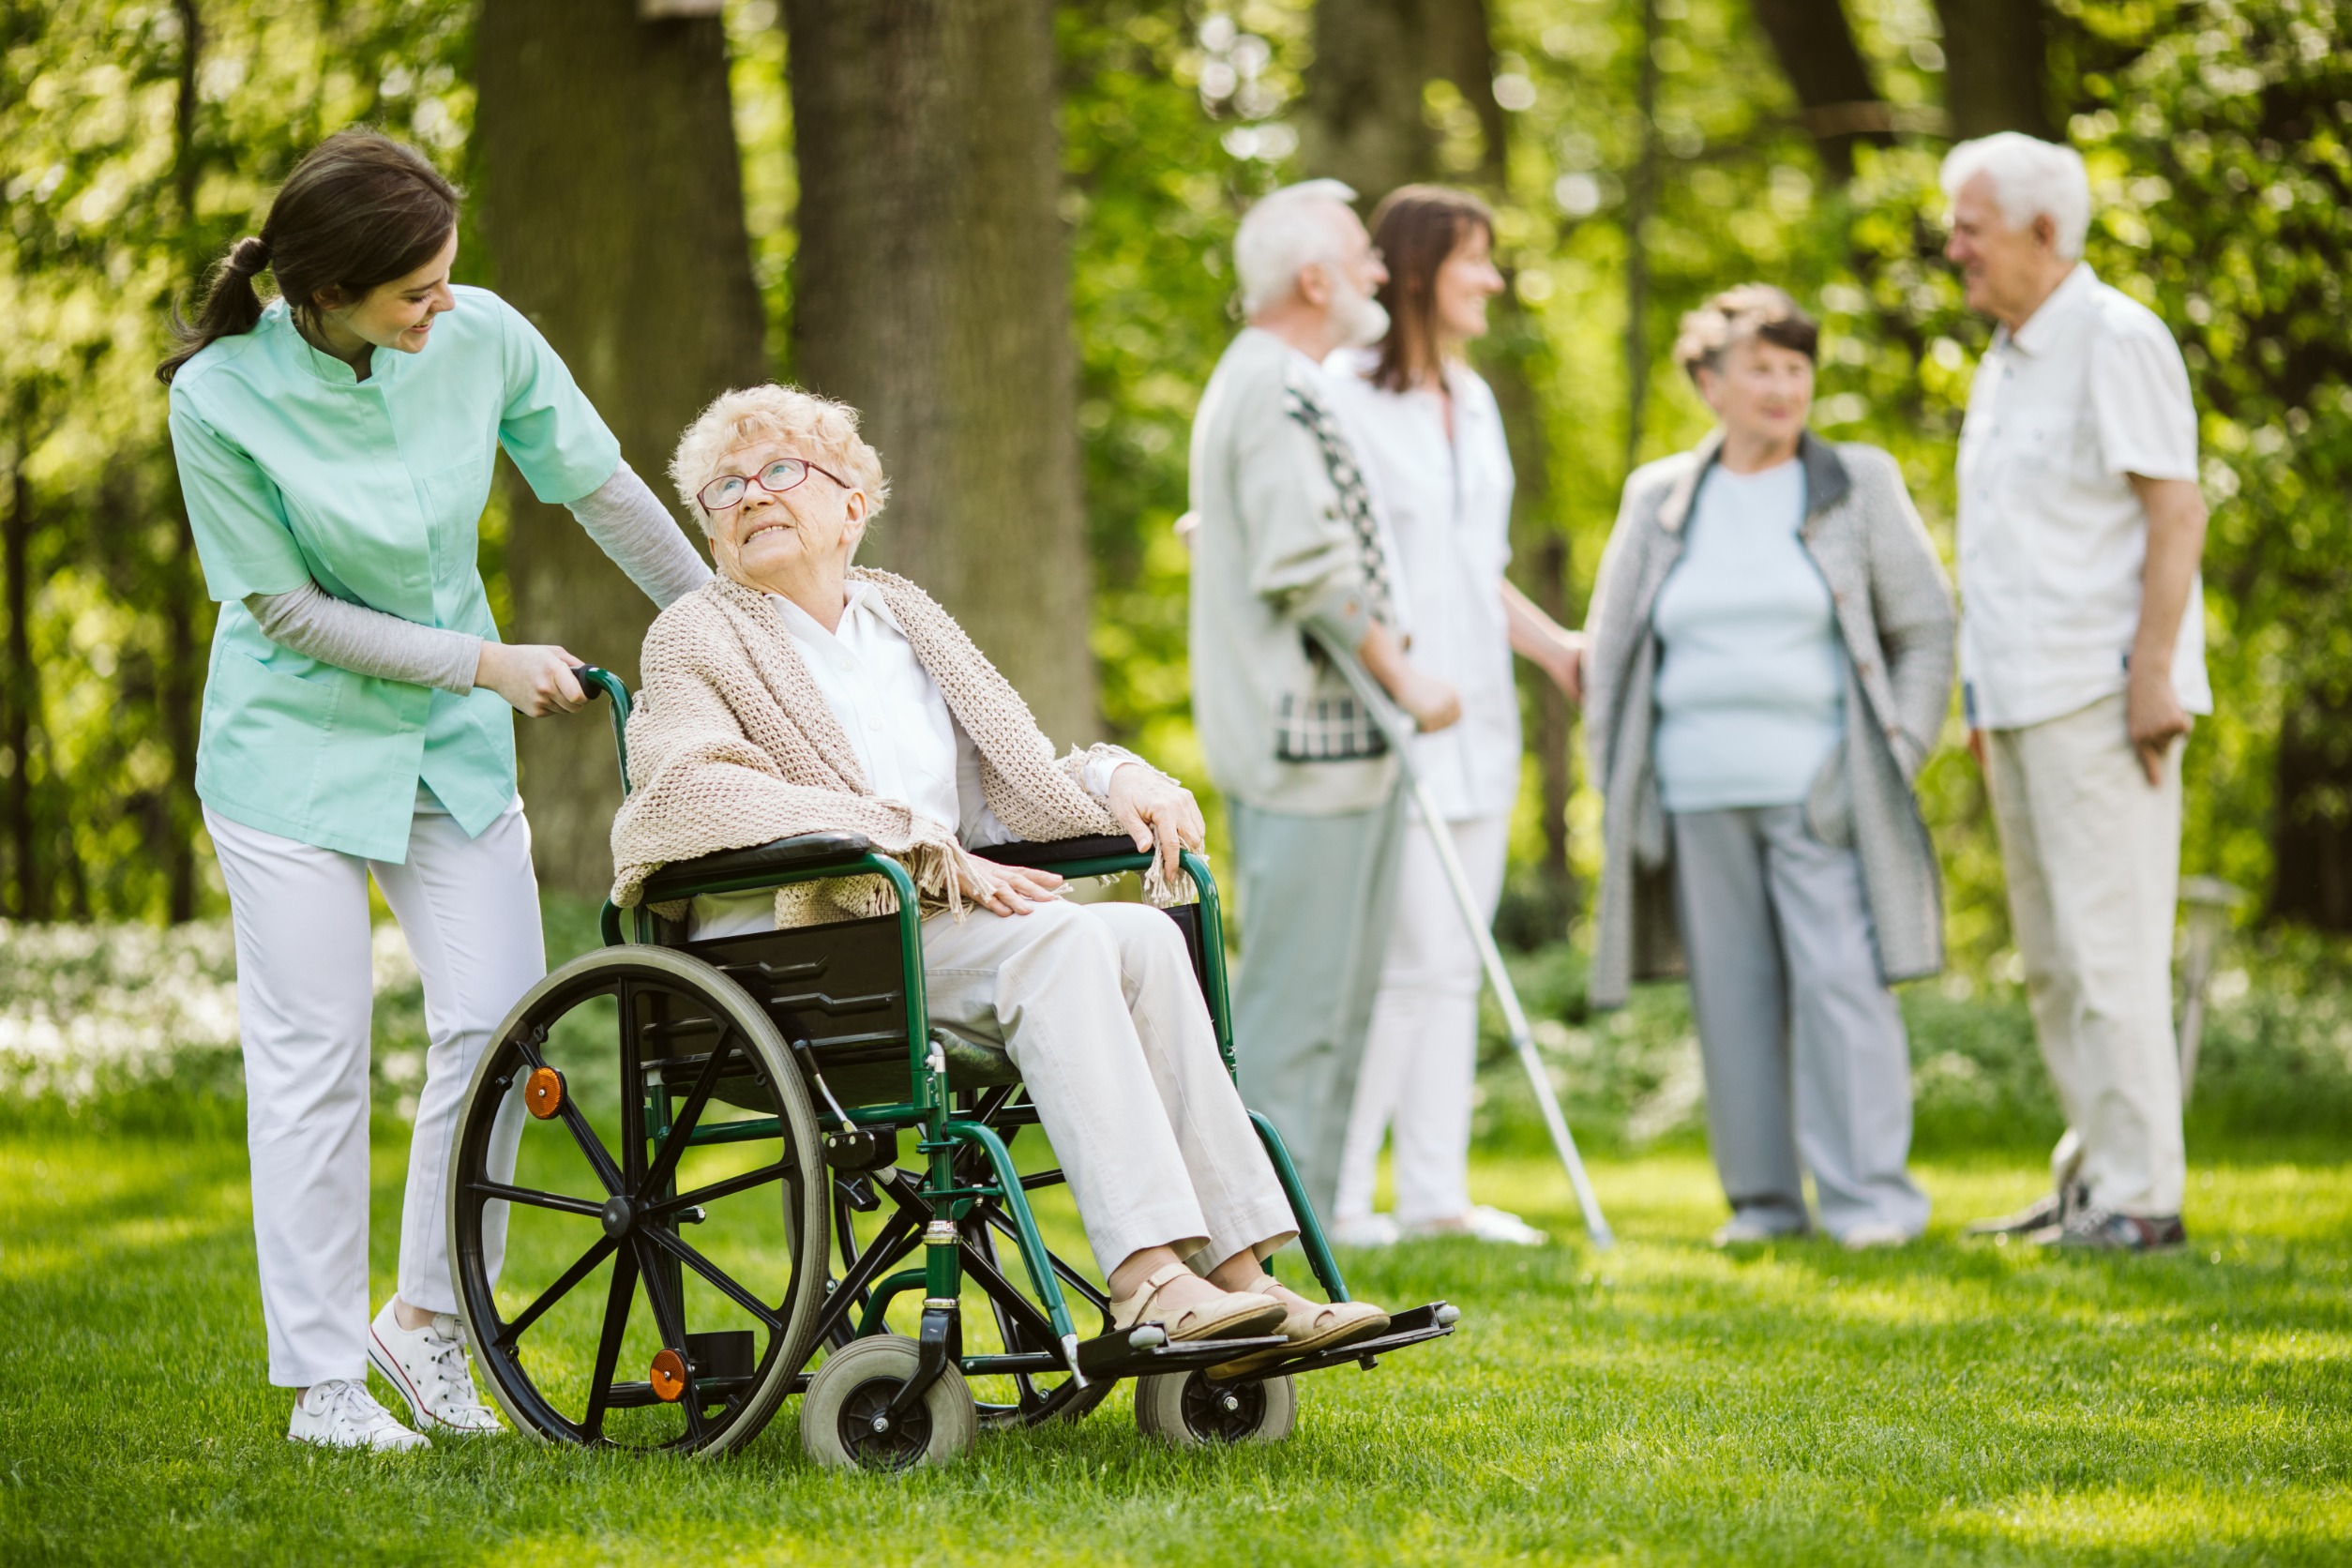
(470, 910)
(1097, 1006)
(1421, 1058)
(2092, 852)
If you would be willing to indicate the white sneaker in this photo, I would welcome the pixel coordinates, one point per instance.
(1364, 1230)
(342, 1413)
(429, 1367)
(1484, 1223)
(1874, 1234)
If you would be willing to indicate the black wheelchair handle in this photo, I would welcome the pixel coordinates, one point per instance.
(591, 678)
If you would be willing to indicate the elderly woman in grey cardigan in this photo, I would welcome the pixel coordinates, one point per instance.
(798, 694)
(1768, 662)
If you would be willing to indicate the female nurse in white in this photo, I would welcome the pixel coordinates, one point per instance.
(1440, 474)
(335, 448)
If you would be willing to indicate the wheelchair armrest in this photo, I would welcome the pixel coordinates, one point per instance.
(684, 878)
(1059, 852)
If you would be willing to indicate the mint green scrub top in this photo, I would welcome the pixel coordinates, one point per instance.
(295, 470)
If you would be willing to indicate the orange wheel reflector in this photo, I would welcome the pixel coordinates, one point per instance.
(669, 1373)
(543, 1092)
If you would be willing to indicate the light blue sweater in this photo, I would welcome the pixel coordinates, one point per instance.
(1750, 688)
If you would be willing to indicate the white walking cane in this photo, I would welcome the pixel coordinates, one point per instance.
(1399, 729)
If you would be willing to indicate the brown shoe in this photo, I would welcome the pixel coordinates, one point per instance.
(1307, 1325)
(1231, 1315)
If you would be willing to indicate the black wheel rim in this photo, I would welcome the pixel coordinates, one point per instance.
(629, 1281)
(1223, 1413)
(901, 1445)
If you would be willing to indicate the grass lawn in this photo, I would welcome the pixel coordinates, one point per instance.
(1952, 1403)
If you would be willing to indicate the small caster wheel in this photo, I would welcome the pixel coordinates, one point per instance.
(1190, 1411)
(850, 1394)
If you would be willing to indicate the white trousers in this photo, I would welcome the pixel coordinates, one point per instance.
(1421, 1057)
(470, 908)
(1097, 1005)
(2092, 853)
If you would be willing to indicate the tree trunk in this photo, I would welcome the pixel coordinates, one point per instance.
(1372, 59)
(1995, 68)
(23, 686)
(179, 684)
(932, 293)
(613, 208)
(1826, 70)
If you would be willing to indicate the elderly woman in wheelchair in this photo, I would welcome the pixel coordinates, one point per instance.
(836, 845)
(799, 694)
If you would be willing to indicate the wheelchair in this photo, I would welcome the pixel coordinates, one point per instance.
(708, 1194)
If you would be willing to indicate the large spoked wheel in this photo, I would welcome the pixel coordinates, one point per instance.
(845, 1422)
(1190, 1411)
(633, 1099)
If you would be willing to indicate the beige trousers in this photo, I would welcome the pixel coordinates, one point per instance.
(1097, 1006)
(2092, 852)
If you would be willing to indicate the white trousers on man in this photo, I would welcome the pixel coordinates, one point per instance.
(1421, 1056)
(470, 910)
(2092, 853)
(1097, 1006)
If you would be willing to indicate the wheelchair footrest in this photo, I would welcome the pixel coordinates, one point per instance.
(1409, 1327)
(1114, 1356)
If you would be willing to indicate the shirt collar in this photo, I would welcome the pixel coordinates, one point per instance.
(859, 599)
(2074, 290)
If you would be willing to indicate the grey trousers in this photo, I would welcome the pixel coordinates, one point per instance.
(1804, 1049)
(1316, 898)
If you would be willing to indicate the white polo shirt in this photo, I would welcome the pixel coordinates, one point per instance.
(2052, 538)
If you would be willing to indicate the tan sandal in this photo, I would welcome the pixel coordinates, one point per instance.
(1233, 1315)
(1308, 1326)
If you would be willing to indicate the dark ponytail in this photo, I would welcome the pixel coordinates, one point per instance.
(359, 211)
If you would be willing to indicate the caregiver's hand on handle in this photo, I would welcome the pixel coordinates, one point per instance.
(1159, 813)
(534, 678)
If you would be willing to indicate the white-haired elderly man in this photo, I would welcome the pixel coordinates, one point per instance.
(1285, 542)
(2082, 656)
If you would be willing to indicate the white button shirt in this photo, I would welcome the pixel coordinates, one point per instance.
(2052, 538)
(1447, 507)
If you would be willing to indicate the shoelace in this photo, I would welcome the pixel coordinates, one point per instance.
(446, 1356)
(351, 1406)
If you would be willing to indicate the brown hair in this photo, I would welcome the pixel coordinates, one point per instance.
(1750, 311)
(1416, 228)
(359, 210)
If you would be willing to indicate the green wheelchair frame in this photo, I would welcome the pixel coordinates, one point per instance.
(879, 1400)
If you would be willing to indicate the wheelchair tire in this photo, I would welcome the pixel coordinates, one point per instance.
(854, 1385)
(1189, 1411)
(720, 1325)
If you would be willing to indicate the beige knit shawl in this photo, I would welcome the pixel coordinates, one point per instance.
(732, 744)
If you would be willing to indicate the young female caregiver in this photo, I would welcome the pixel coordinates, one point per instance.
(336, 450)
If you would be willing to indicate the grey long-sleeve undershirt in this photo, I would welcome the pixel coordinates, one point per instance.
(621, 514)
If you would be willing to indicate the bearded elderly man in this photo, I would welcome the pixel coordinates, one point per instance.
(1285, 543)
(2082, 653)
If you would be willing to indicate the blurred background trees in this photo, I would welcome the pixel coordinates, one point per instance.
(1000, 227)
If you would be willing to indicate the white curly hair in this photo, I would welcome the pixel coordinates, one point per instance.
(818, 428)
(2030, 178)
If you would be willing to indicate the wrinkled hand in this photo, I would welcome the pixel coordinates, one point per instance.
(2154, 716)
(1007, 889)
(1159, 813)
(1432, 703)
(534, 678)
